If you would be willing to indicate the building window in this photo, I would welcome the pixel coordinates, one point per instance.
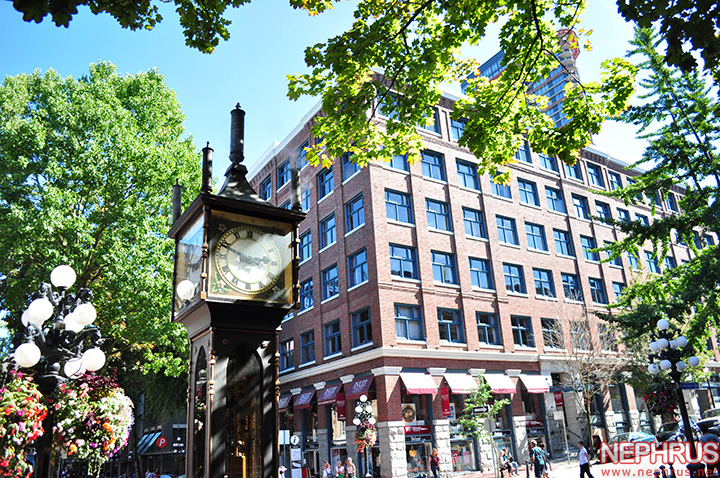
(307, 347)
(467, 175)
(507, 232)
(608, 339)
(528, 192)
(563, 243)
(457, 128)
(571, 287)
(333, 345)
(443, 265)
(408, 322)
(618, 289)
(403, 262)
(574, 171)
(481, 274)
(266, 188)
(361, 327)
(623, 215)
(633, 260)
(283, 173)
(603, 210)
(580, 333)
(354, 213)
(595, 175)
(548, 162)
(305, 249)
(536, 236)
(639, 196)
(672, 202)
(581, 207)
(387, 105)
(544, 284)
(285, 205)
(501, 190)
(523, 155)
(555, 200)
(397, 206)
(488, 328)
(670, 262)
(327, 231)
(474, 223)
(438, 215)
(522, 331)
(696, 240)
(432, 165)
(348, 166)
(616, 260)
(325, 182)
(615, 180)
(597, 291)
(357, 268)
(301, 155)
(399, 161)
(514, 279)
(450, 325)
(652, 262)
(588, 244)
(552, 333)
(643, 219)
(305, 200)
(329, 278)
(434, 125)
(287, 348)
(306, 294)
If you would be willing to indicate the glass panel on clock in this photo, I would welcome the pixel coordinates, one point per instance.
(188, 265)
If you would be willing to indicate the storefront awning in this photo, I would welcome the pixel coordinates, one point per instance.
(535, 383)
(461, 382)
(359, 386)
(329, 394)
(418, 383)
(304, 399)
(500, 383)
(283, 402)
(146, 442)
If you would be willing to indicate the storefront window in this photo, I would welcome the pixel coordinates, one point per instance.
(617, 399)
(502, 436)
(418, 440)
(645, 419)
(417, 455)
(462, 447)
(310, 425)
(338, 426)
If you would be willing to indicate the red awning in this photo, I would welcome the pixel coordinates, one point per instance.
(461, 383)
(283, 402)
(329, 394)
(359, 386)
(500, 383)
(304, 399)
(418, 383)
(535, 383)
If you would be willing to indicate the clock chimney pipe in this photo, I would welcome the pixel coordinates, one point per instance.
(237, 135)
(176, 201)
(207, 170)
(295, 185)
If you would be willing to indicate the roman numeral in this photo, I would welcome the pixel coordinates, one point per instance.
(249, 234)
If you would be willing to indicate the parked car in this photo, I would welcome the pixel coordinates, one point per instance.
(623, 442)
(674, 431)
(712, 418)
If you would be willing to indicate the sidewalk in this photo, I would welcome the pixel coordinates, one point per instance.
(560, 469)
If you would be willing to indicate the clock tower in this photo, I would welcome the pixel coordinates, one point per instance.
(235, 279)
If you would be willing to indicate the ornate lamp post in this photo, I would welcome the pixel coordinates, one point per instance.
(363, 418)
(669, 348)
(58, 337)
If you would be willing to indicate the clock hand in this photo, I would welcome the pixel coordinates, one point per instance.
(252, 260)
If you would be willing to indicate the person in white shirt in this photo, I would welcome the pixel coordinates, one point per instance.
(584, 460)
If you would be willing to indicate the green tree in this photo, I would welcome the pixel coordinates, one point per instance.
(681, 120)
(474, 424)
(87, 167)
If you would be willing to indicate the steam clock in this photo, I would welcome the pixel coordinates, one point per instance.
(235, 279)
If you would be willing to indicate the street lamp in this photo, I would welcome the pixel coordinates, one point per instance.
(58, 337)
(363, 416)
(668, 349)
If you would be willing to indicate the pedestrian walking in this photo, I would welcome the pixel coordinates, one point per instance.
(435, 463)
(546, 456)
(350, 470)
(584, 460)
(538, 459)
(339, 469)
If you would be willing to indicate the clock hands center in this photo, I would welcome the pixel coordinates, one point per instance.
(252, 260)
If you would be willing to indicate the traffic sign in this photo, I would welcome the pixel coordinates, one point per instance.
(481, 409)
(690, 385)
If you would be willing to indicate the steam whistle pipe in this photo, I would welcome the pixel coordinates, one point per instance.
(176, 201)
(237, 135)
(207, 170)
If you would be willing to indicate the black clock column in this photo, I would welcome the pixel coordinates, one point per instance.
(235, 279)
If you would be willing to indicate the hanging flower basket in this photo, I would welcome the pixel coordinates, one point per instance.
(661, 399)
(93, 417)
(366, 435)
(22, 411)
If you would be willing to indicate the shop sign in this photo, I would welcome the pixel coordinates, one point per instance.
(340, 403)
(417, 430)
(559, 400)
(445, 396)
(534, 424)
(161, 442)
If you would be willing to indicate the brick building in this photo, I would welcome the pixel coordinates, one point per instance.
(417, 278)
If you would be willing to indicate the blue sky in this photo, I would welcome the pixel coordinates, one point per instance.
(267, 42)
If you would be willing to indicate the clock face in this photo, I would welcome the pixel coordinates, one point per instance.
(248, 259)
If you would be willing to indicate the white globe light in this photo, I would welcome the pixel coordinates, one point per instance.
(356, 421)
(39, 311)
(93, 359)
(673, 344)
(663, 344)
(372, 420)
(654, 347)
(358, 409)
(368, 408)
(665, 365)
(693, 361)
(185, 290)
(680, 366)
(71, 323)
(86, 314)
(24, 318)
(27, 355)
(663, 324)
(73, 368)
(653, 368)
(681, 341)
(363, 398)
(63, 277)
